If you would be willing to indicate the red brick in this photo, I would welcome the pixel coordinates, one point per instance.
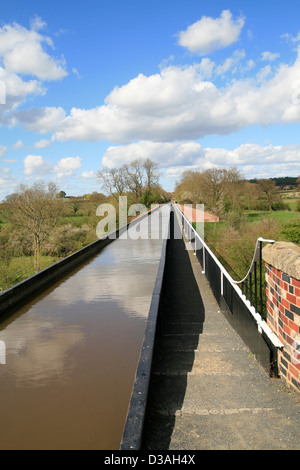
(280, 334)
(278, 273)
(291, 298)
(293, 326)
(286, 329)
(297, 291)
(285, 303)
(295, 282)
(281, 308)
(270, 311)
(289, 340)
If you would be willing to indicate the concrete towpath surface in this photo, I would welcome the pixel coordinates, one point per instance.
(207, 391)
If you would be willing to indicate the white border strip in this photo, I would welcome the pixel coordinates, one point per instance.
(261, 324)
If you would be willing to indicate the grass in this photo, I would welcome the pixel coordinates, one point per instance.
(20, 268)
(284, 217)
(76, 220)
(213, 230)
(291, 203)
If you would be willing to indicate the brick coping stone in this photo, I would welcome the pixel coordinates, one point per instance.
(284, 256)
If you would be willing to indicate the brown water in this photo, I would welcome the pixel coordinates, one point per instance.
(71, 354)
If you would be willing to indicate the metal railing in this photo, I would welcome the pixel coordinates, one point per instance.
(241, 303)
(252, 284)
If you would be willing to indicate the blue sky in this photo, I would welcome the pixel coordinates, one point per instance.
(191, 84)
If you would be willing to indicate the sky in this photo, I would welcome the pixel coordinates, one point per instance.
(190, 84)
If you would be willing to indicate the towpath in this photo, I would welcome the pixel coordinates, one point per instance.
(207, 391)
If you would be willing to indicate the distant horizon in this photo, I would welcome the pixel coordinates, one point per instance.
(170, 192)
(191, 86)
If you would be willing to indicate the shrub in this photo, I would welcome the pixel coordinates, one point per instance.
(292, 232)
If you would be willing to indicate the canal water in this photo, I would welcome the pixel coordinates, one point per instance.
(71, 353)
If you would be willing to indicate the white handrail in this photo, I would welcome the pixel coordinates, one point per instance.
(255, 257)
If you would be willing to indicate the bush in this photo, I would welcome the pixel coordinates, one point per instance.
(67, 239)
(292, 232)
(237, 246)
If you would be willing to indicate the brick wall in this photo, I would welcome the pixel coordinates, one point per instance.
(283, 309)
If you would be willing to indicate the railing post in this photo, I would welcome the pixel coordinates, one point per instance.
(260, 277)
(255, 285)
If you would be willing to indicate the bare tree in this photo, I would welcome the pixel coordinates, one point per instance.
(132, 178)
(35, 209)
(113, 181)
(135, 177)
(152, 174)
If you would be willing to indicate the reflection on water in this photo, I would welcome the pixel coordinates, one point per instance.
(71, 354)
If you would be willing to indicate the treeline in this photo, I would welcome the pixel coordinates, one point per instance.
(282, 181)
(138, 180)
(223, 191)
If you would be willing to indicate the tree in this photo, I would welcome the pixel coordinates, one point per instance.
(61, 195)
(135, 178)
(269, 191)
(218, 183)
(75, 205)
(190, 187)
(152, 174)
(213, 187)
(113, 181)
(35, 209)
(250, 196)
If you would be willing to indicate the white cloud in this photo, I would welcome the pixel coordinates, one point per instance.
(36, 165)
(177, 157)
(270, 56)
(231, 63)
(178, 104)
(37, 23)
(24, 65)
(264, 73)
(209, 34)
(22, 52)
(16, 91)
(41, 144)
(89, 174)
(41, 120)
(75, 71)
(18, 145)
(164, 153)
(66, 166)
(7, 181)
(3, 149)
(289, 38)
